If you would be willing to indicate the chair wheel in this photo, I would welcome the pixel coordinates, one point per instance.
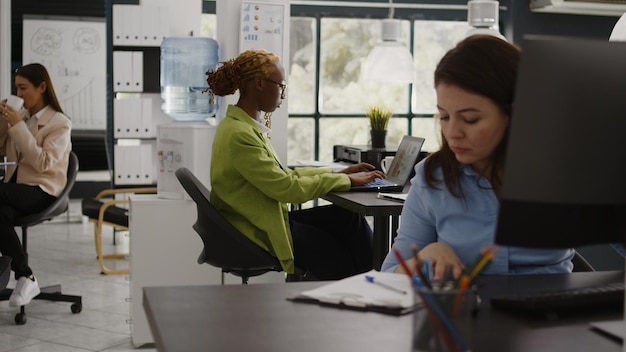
(76, 308)
(20, 318)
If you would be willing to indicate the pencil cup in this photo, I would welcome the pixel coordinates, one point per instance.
(444, 323)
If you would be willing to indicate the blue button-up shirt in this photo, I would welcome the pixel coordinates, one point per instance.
(467, 225)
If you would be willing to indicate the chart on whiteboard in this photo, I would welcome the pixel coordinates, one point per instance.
(73, 50)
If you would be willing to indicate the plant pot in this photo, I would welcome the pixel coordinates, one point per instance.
(378, 138)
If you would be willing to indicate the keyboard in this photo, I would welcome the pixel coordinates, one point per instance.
(379, 182)
(609, 295)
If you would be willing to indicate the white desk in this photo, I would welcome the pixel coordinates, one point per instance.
(164, 250)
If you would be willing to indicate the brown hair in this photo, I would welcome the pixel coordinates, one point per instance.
(36, 74)
(487, 66)
(231, 74)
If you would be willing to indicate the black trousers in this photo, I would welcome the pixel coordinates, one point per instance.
(331, 242)
(17, 200)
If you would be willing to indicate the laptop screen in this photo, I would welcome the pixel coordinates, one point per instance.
(405, 159)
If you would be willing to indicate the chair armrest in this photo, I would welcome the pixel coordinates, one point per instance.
(114, 191)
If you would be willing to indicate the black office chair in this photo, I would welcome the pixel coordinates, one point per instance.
(224, 246)
(58, 207)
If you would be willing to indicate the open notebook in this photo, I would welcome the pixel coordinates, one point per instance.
(400, 169)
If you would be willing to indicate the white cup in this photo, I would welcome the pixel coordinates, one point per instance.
(15, 102)
(385, 163)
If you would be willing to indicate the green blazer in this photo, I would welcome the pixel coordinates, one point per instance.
(251, 188)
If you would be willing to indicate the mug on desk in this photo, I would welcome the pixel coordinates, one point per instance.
(386, 163)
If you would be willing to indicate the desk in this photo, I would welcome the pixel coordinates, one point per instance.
(259, 318)
(164, 250)
(386, 215)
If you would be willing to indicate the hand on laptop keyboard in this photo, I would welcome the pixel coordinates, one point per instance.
(378, 182)
(361, 178)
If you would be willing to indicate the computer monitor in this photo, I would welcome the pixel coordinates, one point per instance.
(564, 182)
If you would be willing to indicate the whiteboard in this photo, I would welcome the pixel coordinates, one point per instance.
(73, 50)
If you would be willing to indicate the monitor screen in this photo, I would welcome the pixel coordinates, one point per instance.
(564, 181)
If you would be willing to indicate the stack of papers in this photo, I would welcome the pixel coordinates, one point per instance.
(335, 166)
(389, 293)
(401, 197)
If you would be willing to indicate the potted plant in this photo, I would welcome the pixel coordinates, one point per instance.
(379, 119)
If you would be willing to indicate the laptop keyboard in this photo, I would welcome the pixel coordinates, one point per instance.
(379, 182)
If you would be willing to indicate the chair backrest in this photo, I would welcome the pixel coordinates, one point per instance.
(224, 246)
(60, 205)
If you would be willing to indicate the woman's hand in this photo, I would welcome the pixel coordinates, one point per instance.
(362, 173)
(441, 256)
(360, 167)
(9, 114)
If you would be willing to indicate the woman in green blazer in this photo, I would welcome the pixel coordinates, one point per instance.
(252, 189)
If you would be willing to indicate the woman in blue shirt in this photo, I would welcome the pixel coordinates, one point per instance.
(452, 207)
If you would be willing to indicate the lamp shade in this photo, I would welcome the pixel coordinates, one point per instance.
(483, 16)
(391, 60)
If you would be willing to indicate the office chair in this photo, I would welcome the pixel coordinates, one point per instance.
(226, 247)
(58, 207)
(103, 210)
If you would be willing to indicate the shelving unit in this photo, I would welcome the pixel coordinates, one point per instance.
(137, 34)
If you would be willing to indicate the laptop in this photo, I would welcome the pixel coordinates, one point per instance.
(400, 170)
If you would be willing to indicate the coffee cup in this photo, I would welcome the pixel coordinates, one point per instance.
(15, 102)
(385, 163)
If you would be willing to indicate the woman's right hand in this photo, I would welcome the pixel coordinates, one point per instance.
(9, 114)
(361, 178)
(441, 256)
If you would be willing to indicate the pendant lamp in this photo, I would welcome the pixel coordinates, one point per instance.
(391, 60)
(483, 16)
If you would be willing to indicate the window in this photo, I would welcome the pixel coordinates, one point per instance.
(338, 115)
(327, 95)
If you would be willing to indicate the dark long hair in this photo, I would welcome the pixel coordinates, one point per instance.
(487, 66)
(35, 74)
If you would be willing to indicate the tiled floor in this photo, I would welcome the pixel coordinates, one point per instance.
(62, 252)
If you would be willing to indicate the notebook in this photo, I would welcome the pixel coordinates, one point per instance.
(374, 291)
(399, 171)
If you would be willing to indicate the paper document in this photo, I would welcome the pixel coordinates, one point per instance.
(401, 197)
(335, 166)
(383, 292)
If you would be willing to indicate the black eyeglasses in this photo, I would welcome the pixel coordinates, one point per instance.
(283, 87)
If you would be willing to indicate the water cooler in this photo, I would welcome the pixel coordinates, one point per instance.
(183, 144)
(186, 142)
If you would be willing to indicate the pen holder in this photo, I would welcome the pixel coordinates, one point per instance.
(444, 323)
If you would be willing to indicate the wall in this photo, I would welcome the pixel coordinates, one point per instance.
(521, 21)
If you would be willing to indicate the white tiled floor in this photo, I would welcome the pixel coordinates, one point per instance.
(62, 252)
